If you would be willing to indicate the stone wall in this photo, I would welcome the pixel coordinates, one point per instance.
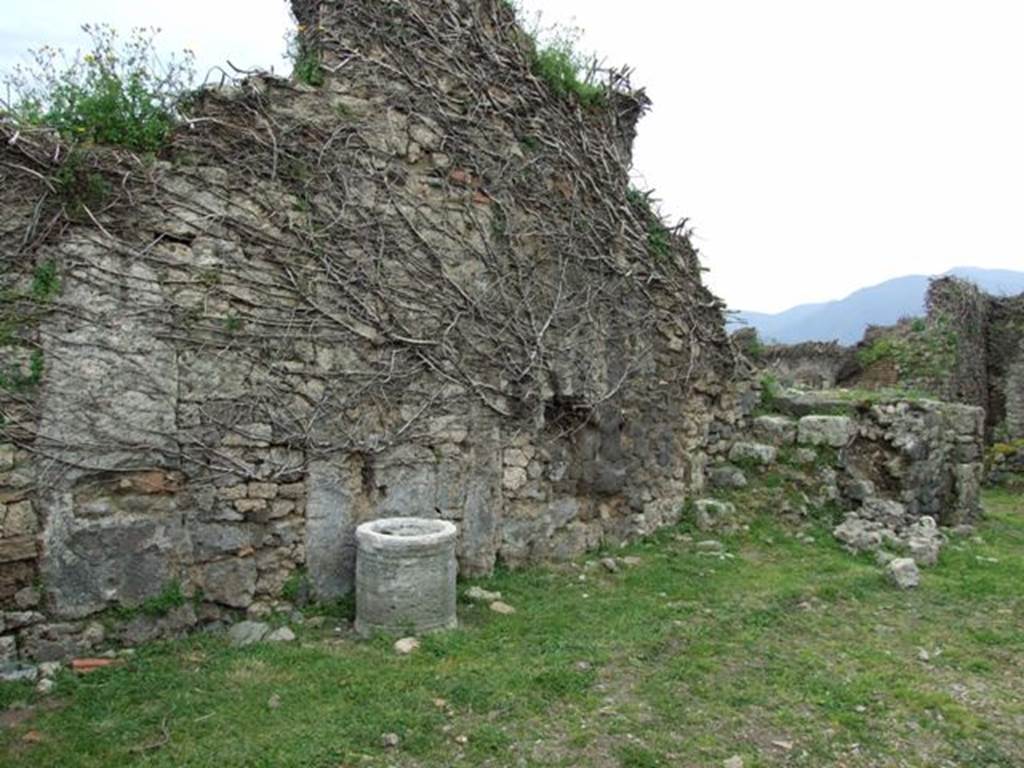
(964, 310)
(812, 365)
(1005, 355)
(19, 526)
(1005, 464)
(420, 289)
(969, 349)
(891, 467)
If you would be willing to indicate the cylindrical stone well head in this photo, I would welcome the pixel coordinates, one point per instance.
(405, 576)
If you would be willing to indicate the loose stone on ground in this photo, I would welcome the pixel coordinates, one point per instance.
(247, 633)
(407, 646)
(903, 573)
(478, 594)
(282, 635)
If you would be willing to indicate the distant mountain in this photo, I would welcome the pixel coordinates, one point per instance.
(882, 304)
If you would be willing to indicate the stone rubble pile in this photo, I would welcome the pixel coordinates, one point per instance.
(900, 471)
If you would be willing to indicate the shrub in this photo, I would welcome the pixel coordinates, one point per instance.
(297, 588)
(754, 348)
(882, 349)
(170, 597)
(14, 379)
(120, 92)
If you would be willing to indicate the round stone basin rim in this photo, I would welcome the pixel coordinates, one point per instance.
(405, 532)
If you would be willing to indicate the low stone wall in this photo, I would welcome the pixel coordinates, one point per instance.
(1004, 465)
(894, 470)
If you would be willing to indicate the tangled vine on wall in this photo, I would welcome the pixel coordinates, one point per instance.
(423, 286)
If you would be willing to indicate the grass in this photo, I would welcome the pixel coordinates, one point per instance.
(787, 653)
(565, 71)
(555, 58)
(169, 598)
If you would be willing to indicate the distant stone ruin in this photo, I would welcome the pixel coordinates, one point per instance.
(988, 365)
(423, 288)
(813, 365)
(968, 349)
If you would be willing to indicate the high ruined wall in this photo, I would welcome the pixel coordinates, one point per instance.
(1005, 352)
(985, 362)
(421, 289)
(964, 310)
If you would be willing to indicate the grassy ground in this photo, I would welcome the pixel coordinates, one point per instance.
(785, 654)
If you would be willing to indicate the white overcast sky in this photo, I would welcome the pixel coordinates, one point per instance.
(817, 146)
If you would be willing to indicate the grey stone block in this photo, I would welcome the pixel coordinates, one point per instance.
(834, 431)
(711, 513)
(727, 476)
(903, 573)
(775, 430)
(247, 633)
(762, 454)
(330, 531)
(230, 582)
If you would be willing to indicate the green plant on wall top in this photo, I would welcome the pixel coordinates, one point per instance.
(556, 59)
(307, 63)
(882, 349)
(119, 92)
(567, 72)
